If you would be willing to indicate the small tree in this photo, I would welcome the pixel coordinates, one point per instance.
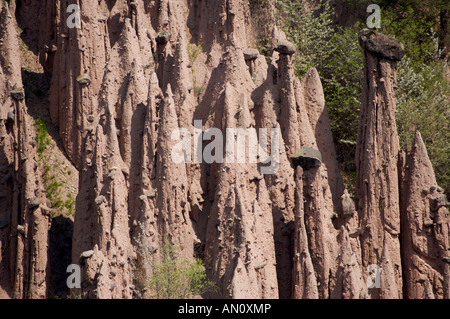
(177, 278)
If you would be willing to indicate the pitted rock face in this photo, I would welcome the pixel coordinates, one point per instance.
(381, 45)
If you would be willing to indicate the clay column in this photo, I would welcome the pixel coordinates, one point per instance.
(377, 190)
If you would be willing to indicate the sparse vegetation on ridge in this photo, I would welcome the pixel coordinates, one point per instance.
(423, 91)
(60, 202)
(177, 278)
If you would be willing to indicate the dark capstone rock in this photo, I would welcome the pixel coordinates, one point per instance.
(18, 94)
(347, 205)
(285, 47)
(250, 54)
(84, 78)
(307, 157)
(34, 202)
(438, 202)
(381, 45)
(10, 116)
(162, 37)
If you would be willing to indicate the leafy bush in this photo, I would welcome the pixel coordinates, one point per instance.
(423, 97)
(308, 26)
(423, 92)
(177, 278)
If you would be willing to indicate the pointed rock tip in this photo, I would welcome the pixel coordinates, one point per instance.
(169, 92)
(419, 148)
(168, 107)
(127, 25)
(307, 157)
(277, 36)
(418, 139)
(312, 73)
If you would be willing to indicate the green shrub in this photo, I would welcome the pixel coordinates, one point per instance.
(177, 278)
(308, 25)
(423, 92)
(263, 47)
(423, 97)
(194, 50)
(52, 187)
(42, 138)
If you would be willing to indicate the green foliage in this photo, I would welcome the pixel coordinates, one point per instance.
(54, 194)
(52, 188)
(69, 205)
(198, 90)
(308, 26)
(194, 51)
(51, 183)
(422, 25)
(42, 138)
(177, 278)
(335, 52)
(423, 97)
(342, 83)
(263, 47)
(415, 32)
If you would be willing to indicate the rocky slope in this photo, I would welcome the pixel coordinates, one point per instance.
(136, 71)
